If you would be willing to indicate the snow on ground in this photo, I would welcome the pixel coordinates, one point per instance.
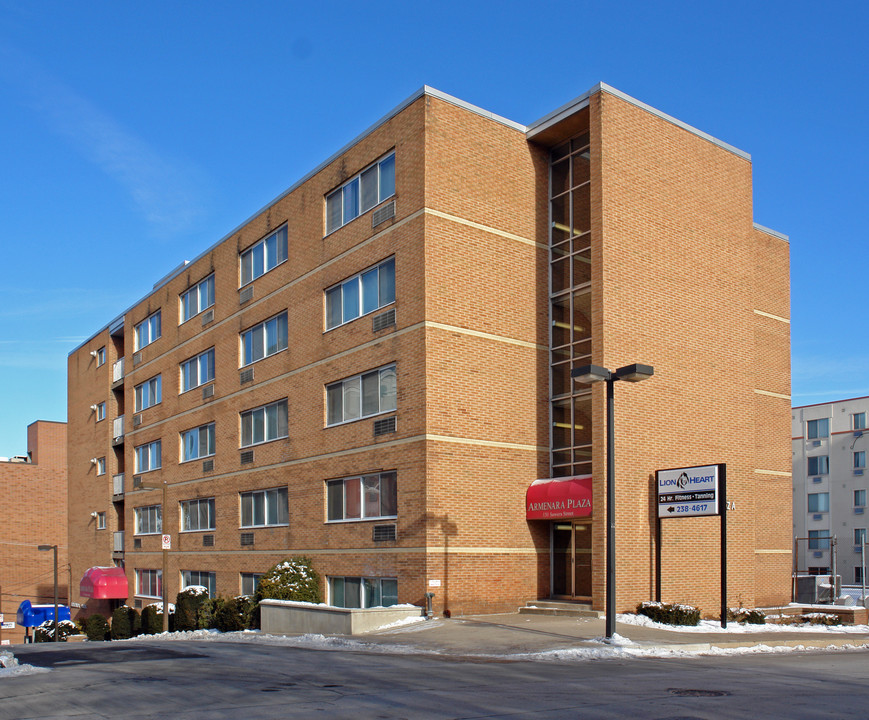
(714, 626)
(9, 666)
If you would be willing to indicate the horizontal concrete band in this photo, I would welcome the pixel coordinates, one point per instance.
(439, 550)
(772, 394)
(772, 317)
(425, 437)
(139, 369)
(777, 473)
(758, 551)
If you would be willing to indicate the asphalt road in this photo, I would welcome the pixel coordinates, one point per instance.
(217, 680)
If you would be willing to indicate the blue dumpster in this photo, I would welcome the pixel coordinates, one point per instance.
(32, 615)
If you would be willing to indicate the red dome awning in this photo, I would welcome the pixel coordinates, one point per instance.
(103, 583)
(556, 498)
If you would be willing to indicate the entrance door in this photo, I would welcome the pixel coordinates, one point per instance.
(571, 559)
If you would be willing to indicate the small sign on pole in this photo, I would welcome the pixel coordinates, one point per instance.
(167, 542)
(8, 625)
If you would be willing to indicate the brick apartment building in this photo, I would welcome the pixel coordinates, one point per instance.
(374, 369)
(33, 488)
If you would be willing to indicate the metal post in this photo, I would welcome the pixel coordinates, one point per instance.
(863, 572)
(56, 639)
(165, 563)
(610, 513)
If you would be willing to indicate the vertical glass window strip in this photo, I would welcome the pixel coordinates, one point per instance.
(570, 305)
(860, 498)
(859, 459)
(858, 421)
(197, 370)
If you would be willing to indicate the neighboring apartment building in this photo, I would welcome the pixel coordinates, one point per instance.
(374, 369)
(830, 441)
(33, 488)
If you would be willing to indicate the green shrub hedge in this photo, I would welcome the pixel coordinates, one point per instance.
(744, 615)
(670, 613)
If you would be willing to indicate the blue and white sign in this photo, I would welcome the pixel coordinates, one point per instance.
(688, 492)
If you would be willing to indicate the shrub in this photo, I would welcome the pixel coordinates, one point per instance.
(206, 613)
(152, 618)
(126, 623)
(293, 579)
(743, 615)
(188, 605)
(229, 614)
(97, 627)
(811, 618)
(45, 632)
(670, 613)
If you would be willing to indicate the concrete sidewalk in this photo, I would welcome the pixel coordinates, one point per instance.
(514, 633)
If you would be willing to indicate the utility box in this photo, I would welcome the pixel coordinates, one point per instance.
(815, 589)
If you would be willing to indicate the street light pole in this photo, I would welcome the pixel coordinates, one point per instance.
(46, 548)
(596, 373)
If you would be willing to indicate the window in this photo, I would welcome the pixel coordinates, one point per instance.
(149, 583)
(148, 456)
(819, 539)
(265, 339)
(859, 459)
(859, 536)
(818, 428)
(819, 502)
(197, 577)
(197, 443)
(858, 421)
(362, 396)
(197, 370)
(858, 575)
(101, 521)
(149, 520)
(358, 498)
(197, 299)
(101, 411)
(859, 498)
(149, 393)
(264, 507)
(197, 515)
(267, 254)
(819, 571)
(361, 294)
(361, 193)
(101, 356)
(101, 466)
(359, 592)
(264, 424)
(148, 331)
(249, 582)
(819, 465)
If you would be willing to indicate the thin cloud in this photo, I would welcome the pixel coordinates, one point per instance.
(820, 377)
(166, 192)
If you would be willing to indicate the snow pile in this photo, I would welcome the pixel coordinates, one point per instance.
(9, 666)
(714, 626)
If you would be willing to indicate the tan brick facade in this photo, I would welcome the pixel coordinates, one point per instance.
(34, 513)
(677, 264)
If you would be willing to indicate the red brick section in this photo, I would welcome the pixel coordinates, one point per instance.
(675, 286)
(34, 513)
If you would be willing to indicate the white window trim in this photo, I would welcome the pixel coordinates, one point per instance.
(101, 356)
(158, 574)
(101, 521)
(361, 314)
(136, 520)
(136, 327)
(192, 288)
(344, 184)
(250, 249)
(199, 500)
(181, 460)
(139, 471)
(101, 411)
(181, 390)
(241, 494)
(241, 364)
(262, 407)
(361, 417)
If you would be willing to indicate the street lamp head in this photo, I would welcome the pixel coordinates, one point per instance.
(46, 548)
(590, 373)
(635, 372)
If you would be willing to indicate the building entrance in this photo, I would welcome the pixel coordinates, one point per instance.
(571, 559)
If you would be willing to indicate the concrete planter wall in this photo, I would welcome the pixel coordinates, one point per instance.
(281, 617)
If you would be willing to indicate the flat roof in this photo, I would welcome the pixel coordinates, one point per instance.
(535, 128)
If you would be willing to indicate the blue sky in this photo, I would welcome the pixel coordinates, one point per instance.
(135, 135)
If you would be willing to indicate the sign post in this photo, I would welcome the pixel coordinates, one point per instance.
(698, 491)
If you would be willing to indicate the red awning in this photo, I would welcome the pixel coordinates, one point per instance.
(102, 583)
(555, 498)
